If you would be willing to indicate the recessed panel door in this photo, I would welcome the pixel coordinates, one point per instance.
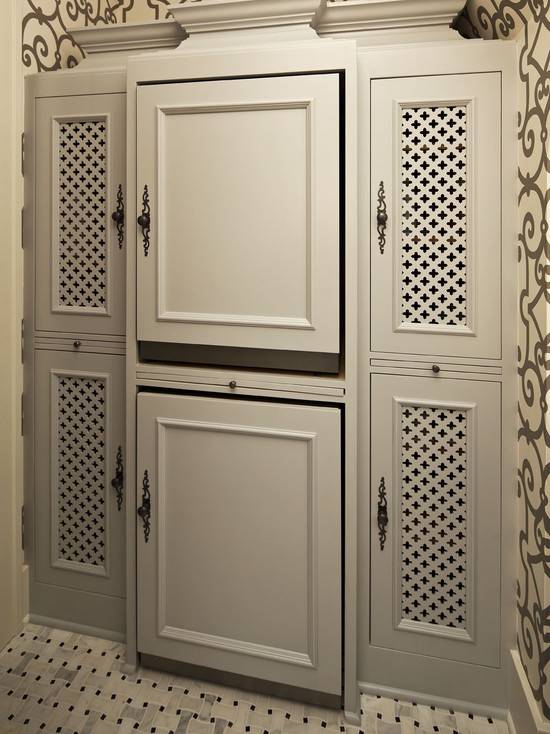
(238, 198)
(239, 537)
(435, 517)
(80, 205)
(79, 473)
(435, 215)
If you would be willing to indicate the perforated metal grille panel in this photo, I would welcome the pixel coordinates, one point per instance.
(434, 161)
(81, 469)
(82, 181)
(434, 456)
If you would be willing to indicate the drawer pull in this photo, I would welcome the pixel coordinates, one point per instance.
(381, 218)
(233, 385)
(436, 369)
(77, 344)
(145, 510)
(144, 221)
(382, 518)
(118, 216)
(117, 483)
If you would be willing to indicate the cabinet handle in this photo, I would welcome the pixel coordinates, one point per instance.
(117, 483)
(144, 220)
(381, 218)
(145, 510)
(382, 513)
(77, 344)
(118, 216)
(436, 369)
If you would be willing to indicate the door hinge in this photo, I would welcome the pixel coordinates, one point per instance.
(23, 154)
(22, 414)
(22, 341)
(22, 527)
(22, 228)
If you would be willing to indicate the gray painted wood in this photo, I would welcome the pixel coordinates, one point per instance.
(241, 570)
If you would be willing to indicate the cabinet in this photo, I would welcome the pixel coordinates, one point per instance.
(239, 537)
(436, 233)
(75, 172)
(80, 186)
(435, 475)
(239, 199)
(79, 472)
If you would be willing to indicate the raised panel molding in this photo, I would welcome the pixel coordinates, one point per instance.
(308, 659)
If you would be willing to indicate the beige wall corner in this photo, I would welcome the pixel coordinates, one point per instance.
(525, 717)
(11, 114)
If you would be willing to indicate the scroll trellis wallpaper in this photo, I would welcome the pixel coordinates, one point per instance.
(529, 22)
(47, 45)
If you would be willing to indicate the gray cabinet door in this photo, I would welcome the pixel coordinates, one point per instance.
(79, 444)
(80, 184)
(239, 560)
(240, 180)
(436, 215)
(435, 564)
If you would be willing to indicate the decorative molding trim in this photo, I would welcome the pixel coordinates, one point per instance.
(426, 700)
(524, 715)
(342, 16)
(205, 16)
(81, 629)
(160, 34)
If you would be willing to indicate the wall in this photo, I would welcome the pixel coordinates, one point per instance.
(46, 43)
(11, 561)
(529, 22)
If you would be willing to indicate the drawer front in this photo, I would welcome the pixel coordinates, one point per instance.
(79, 450)
(239, 510)
(436, 216)
(238, 186)
(80, 249)
(435, 509)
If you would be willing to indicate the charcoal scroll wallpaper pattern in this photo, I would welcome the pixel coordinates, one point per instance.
(528, 21)
(47, 45)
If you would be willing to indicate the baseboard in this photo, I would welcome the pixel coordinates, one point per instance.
(525, 716)
(426, 700)
(80, 629)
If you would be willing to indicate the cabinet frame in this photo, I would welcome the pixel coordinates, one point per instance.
(92, 615)
(307, 55)
(381, 667)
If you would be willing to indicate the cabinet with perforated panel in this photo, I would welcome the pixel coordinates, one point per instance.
(80, 197)
(435, 501)
(74, 327)
(435, 225)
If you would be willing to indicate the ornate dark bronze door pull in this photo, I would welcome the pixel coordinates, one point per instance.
(117, 483)
(144, 221)
(145, 510)
(382, 513)
(381, 218)
(118, 216)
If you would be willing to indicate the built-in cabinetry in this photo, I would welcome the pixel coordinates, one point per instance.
(438, 368)
(327, 504)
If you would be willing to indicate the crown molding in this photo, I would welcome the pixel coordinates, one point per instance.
(206, 16)
(128, 37)
(344, 16)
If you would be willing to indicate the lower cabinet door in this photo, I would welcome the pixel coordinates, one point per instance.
(239, 544)
(79, 514)
(435, 501)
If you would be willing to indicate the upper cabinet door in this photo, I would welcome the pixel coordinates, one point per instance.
(80, 190)
(238, 186)
(436, 215)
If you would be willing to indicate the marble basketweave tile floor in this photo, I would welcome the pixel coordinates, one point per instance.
(54, 681)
